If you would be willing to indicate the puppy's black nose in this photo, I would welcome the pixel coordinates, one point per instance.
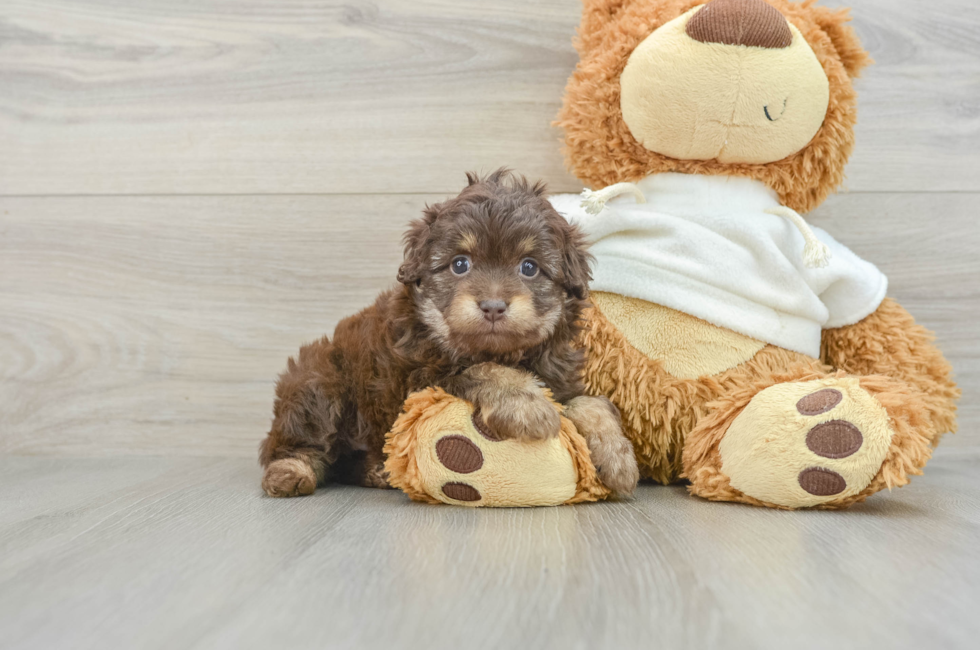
(493, 310)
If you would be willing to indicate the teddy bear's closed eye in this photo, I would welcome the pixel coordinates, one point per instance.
(772, 116)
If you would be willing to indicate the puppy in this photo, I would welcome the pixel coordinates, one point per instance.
(493, 285)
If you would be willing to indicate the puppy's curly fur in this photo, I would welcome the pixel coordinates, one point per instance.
(493, 286)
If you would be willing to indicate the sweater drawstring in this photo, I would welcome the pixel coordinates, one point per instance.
(815, 253)
(593, 201)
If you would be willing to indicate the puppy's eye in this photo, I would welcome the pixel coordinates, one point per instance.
(529, 268)
(460, 265)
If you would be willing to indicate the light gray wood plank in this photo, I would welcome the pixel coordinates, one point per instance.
(300, 96)
(158, 324)
(194, 557)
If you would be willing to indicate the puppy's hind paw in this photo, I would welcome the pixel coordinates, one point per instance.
(289, 477)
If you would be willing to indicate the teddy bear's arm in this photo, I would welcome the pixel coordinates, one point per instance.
(889, 342)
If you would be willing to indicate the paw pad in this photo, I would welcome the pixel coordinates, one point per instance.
(834, 439)
(461, 492)
(458, 454)
(819, 402)
(821, 482)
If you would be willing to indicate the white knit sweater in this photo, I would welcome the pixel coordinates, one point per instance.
(705, 246)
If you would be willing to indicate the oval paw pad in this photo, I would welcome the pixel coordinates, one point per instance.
(821, 482)
(458, 454)
(461, 492)
(834, 439)
(819, 402)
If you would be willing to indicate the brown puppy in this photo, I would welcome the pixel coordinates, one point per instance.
(493, 286)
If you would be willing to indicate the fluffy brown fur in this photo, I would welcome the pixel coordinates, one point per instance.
(600, 149)
(889, 342)
(659, 410)
(485, 333)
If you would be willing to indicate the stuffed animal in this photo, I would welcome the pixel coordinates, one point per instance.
(748, 352)
(441, 450)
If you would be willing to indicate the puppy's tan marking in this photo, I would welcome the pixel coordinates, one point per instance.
(468, 243)
(528, 244)
(431, 316)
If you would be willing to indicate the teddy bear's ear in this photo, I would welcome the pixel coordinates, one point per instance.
(846, 43)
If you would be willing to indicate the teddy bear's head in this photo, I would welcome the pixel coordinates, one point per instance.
(757, 88)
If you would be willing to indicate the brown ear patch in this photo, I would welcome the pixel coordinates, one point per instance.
(459, 454)
(834, 439)
(753, 23)
(821, 482)
(819, 402)
(461, 492)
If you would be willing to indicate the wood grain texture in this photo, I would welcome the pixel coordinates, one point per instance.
(149, 325)
(186, 553)
(320, 96)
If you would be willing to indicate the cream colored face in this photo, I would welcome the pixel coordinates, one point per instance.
(737, 104)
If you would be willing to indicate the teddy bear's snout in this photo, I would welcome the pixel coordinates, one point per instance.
(754, 23)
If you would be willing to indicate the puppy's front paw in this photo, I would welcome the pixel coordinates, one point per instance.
(615, 463)
(598, 421)
(289, 477)
(522, 415)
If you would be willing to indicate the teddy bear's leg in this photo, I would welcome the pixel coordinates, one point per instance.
(822, 442)
(889, 342)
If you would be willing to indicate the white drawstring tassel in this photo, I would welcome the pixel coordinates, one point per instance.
(595, 201)
(815, 252)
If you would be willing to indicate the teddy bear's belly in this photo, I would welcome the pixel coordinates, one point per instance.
(688, 347)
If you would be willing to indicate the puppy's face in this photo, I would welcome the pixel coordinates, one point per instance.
(496, 269)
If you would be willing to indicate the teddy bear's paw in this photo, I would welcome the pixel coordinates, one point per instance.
(463, 460)
(289, 477)
(807, 444)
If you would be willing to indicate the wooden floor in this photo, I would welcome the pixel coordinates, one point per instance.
(191, 190)
(185, 553)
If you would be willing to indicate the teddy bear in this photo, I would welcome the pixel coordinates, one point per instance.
(749, 353)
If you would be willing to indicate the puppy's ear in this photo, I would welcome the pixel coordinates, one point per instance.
(576, 260)
(417, 242)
